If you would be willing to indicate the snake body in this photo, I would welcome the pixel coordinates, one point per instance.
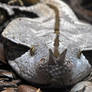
(57, 42)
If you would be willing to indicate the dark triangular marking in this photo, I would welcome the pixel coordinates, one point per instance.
(61, 58)
(52, 59)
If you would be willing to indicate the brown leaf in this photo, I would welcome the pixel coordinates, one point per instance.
(9, 90)
(13, 83)
(5, 73)
(2, 57)
(7, 84)
(27, 88)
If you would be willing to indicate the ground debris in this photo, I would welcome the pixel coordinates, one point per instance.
(82, 8)
(2, 56)
(10, 90)
(27, 88)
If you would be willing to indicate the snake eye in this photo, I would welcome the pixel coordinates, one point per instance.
(32, 51)
(79, 54)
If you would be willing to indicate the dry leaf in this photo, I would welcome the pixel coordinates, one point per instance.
(27, 88)
(9, 90)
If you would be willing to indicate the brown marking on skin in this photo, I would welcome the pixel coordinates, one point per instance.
(56, 29)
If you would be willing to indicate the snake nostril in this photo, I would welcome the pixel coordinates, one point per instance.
(42, 60)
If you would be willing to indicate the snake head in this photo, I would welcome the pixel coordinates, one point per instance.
(63, 70)
(55, 66)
